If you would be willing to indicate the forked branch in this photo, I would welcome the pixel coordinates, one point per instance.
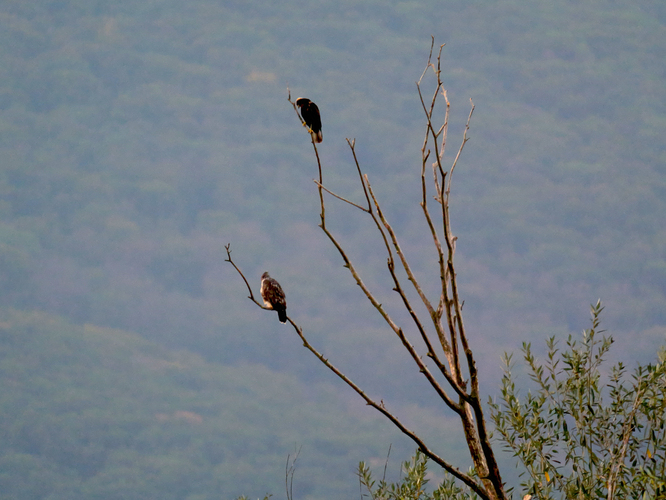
(381, 407)
(457, 389)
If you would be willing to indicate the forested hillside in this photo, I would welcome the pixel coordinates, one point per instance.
(89, 412)
(138, 138)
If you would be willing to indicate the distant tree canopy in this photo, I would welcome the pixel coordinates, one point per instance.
(90, 412)
(137, 138)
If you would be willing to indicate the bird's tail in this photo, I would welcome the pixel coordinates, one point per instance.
(319, 136)
(282, 315)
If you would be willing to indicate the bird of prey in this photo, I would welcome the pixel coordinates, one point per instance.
(310, 115)
(273, 296)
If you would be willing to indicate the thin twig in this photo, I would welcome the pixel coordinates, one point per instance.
(388, 454)
(407, 268)
(290, 470)
(352, 146)
(381, 407)
(227, 247)
(314, 146)
(460, 149)
(340, 197)
(468, 407)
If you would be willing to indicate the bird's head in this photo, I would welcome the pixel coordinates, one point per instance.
(265, 276)
(302, 101)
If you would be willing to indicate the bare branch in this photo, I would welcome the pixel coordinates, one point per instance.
(429, 63)
(340, 197)
(349, 265)
(382, 409)
(370, 402)
(314, 146)
(431, 352)
(446, 315)
(290, 470)
(352, 146)
(227, 247)
(460, 149)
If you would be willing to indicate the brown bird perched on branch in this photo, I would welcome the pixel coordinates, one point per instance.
(273, 296)
(310, 115)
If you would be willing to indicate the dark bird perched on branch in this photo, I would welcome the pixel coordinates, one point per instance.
(310, 115)
(273, 296)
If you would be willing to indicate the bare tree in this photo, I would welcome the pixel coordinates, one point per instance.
(451, 371)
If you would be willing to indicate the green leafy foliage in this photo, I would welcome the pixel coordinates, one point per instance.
(586, 431)
(412, 485)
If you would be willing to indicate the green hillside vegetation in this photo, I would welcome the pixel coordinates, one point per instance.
(138, 138)
(137, 141)
(89, 412)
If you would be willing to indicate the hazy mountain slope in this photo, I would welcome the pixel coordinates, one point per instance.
(138, 138)
(89, 412)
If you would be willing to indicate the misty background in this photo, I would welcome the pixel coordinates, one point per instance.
(137, 138)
